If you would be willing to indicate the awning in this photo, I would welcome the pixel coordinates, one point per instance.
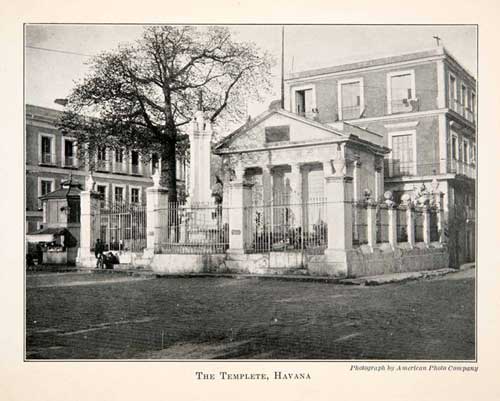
(45, 234)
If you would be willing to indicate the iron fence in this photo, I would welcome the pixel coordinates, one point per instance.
(121, 226)
(401, 224)
(359, 224)
(433, 220)
(194, 229)
(382, 219)
(283, 226)
(419, 225)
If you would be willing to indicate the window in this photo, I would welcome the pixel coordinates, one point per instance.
(47, 149)
(401, 91)
(118, 194)
(403, 156)
(102, 189)
(454, 146)
(351, 99)
(135, 195)
(119, 155)
(101, 153)
(303, 100)
(464, 99)
(69, 157)
(134, 161)
(45, 186)
(465, 151)
(453, 92)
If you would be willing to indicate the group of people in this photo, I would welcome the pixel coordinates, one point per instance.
(104, 260)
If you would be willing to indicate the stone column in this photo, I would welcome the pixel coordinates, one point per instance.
(379, 178)
(371, 221)
(356, 181)
(338, 188)
(157, 218)
(296, 195)
(240, 194)
(410, 225)
(89, 218)
(440, 219)
(393, 228)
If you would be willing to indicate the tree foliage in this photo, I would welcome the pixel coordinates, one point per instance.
(143, 95)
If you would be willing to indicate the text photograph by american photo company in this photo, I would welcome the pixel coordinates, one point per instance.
(251, 192)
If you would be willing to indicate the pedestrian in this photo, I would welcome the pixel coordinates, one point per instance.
(98, 251)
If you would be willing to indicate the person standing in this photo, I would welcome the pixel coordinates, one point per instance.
(98, 251)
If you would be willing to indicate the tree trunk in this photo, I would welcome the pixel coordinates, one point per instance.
(168, 169)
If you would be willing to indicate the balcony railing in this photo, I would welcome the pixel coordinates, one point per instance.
(395, 168)
(120, 167)
(459, 167)
(47, 158)
(351, 112)
(70, 161)
(101, 165)
(464, 111)
(134, 169)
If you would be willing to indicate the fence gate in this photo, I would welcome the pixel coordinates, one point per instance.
(280, 225)
(121, 226)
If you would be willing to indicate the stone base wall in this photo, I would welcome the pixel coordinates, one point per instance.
(264, 263)
(134, 259)
(382, 259)
(164, 264)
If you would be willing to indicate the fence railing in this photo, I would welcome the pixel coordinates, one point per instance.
(401, 224)
(382, 224)
(419, 224)
(194, 229)
(362, 223)
(359, 224)
(121, 226)
(282, 226)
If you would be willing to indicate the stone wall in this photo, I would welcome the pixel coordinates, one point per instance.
(364, 261)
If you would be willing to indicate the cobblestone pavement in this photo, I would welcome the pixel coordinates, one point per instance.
(87, 316)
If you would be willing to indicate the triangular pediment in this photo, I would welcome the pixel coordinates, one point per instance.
(278, 127)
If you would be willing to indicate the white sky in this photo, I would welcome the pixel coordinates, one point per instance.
(51, 75)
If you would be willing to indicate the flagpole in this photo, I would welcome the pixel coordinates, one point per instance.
(282, 66)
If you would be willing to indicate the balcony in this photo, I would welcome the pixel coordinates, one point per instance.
(134, 169)
(460, 167)
(404, 105)
(351, 112)
(70, 162)
(101, 165)
(47, 158)
(464, 111)
(120, 168)
(395, 168)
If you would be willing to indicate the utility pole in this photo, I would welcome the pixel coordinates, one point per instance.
(438, 39)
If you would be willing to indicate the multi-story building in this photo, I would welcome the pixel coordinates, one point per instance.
(424, 104)
(51, 157)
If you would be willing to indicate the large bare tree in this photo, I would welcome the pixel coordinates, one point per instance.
(143, 95)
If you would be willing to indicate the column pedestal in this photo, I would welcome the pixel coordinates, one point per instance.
(89, 229)
(240, 231)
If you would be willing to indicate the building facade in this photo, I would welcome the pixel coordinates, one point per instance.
(424, 106)
(51, 157)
